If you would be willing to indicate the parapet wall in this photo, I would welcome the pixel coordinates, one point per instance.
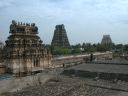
(59, 61)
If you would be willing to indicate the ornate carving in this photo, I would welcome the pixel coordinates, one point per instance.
(27, 29)
(28, 46)
(14, 22)
(36, 29)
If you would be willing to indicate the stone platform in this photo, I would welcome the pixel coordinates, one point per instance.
(102, 71)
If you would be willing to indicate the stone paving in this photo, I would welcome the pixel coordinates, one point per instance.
(110, 68)
(74, 86)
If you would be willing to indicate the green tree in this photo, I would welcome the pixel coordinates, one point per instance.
(60, 51)
(126, 48)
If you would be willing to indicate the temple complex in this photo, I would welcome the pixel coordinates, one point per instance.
(60, 38)
(24, 51)
(106, 40)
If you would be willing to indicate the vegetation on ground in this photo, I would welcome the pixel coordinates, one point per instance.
(117, 49)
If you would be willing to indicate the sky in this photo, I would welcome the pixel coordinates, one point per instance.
(84, 20)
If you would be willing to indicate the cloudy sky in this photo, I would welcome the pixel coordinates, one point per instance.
(84, 20)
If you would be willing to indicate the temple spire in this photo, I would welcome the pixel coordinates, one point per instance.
(60, 37)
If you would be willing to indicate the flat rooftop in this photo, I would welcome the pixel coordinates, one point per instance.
(104, 68)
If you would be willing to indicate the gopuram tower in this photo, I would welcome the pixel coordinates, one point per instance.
(60, 38)
(106, 40)
(24, 52)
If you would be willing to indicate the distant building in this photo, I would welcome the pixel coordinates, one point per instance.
(1, 45)
(24, 52)
(1, 51)
(60, 38)
(106, 40)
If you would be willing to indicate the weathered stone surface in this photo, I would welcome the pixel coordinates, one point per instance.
(16, 84)
(103, 71)
(105, 68)
(66, 86)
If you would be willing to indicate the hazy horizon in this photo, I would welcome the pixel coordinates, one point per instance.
(84, 20)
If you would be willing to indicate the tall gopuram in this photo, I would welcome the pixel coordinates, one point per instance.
(60, 38)
(106, 40)
(24, 51)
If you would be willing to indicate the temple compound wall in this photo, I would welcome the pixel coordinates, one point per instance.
(24, 51)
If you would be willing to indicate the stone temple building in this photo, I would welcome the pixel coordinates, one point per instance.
(24, 51)
(60, 38)
(106, 40)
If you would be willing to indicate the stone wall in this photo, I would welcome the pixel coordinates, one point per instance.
(59, 61)
(26, 65)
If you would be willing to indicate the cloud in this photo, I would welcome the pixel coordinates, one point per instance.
(78, 15)
(6, 3)
(70, 8)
